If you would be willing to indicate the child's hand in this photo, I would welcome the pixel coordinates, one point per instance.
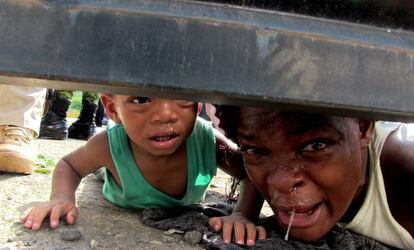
(243, 228)
(33, 217)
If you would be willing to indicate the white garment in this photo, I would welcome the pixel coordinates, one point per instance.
(374, 218)
(22, 106)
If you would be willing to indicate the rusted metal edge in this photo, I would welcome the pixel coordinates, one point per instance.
(209, 52)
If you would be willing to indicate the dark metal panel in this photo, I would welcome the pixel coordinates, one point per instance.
(208, 52)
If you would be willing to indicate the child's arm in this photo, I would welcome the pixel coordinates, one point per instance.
(66, 177)
(249, 203)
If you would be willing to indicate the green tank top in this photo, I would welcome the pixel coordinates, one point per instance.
(136, 192)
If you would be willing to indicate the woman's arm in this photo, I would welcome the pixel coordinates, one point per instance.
(397, 165)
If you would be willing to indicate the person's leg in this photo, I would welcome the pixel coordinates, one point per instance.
(54, 125)
(48, 101)
(20, 115)
(99, 114)
(84, 127)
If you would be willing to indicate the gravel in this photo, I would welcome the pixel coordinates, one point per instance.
(100, 224)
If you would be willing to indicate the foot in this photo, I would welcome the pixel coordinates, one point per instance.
(17, 153)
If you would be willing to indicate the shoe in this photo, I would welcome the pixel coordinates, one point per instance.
(17, 153)
(53, 127)
(84, 127)
(81, 131)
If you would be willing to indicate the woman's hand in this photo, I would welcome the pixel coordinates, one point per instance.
(245, 231)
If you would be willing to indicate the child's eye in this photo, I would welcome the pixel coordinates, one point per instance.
(140, 100)
(185, 103)
(315, 146)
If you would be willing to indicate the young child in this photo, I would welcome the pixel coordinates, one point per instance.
(159, 154)
(317, 171)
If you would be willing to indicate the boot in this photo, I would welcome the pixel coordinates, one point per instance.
(84, 127)
(54, 125)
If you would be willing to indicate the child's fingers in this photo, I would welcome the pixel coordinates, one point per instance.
(239, 233)
(216, 223)
(251, 234)
(36, 216)
(227, 231)
(261, 232)
(55, 216)
(72, 215)
(24, 215)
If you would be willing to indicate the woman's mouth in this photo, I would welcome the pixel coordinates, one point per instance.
(305, 216)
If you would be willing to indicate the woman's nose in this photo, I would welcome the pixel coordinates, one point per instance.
(286, 179)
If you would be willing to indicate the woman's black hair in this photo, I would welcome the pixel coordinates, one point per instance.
(229, 122)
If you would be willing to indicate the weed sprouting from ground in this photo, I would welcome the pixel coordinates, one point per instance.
(44, 164)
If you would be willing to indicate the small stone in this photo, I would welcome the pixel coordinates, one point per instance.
(118, 236)
(156, 242)
(173, 231)
(193, 237)
(167, 239)
(9, 240)
(9, 198)
(70, 235)
(94, 244)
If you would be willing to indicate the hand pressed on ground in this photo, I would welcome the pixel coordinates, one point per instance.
(239, 228)
(33, 217)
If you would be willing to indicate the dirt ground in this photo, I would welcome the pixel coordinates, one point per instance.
(101, 224)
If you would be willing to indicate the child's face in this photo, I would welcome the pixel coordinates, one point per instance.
(156, 126)
(311, 163)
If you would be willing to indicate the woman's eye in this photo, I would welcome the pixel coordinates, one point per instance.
(140, 100)
(315, 146)
(253, 151)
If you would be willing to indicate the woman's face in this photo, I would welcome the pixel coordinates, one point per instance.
(311, 164)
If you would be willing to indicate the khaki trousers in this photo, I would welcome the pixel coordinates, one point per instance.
(22, 106)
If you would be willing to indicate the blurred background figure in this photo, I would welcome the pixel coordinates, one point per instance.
(101, 118)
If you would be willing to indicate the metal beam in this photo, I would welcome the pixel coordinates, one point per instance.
(208, 52)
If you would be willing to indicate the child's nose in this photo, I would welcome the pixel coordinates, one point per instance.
(165, 112)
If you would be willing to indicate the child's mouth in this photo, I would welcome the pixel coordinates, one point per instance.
(164, 141)
(163, 138)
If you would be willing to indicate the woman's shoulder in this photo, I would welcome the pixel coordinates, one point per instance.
(397, 154)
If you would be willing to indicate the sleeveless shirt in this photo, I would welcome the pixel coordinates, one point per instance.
(137, 193)
(374, 218)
